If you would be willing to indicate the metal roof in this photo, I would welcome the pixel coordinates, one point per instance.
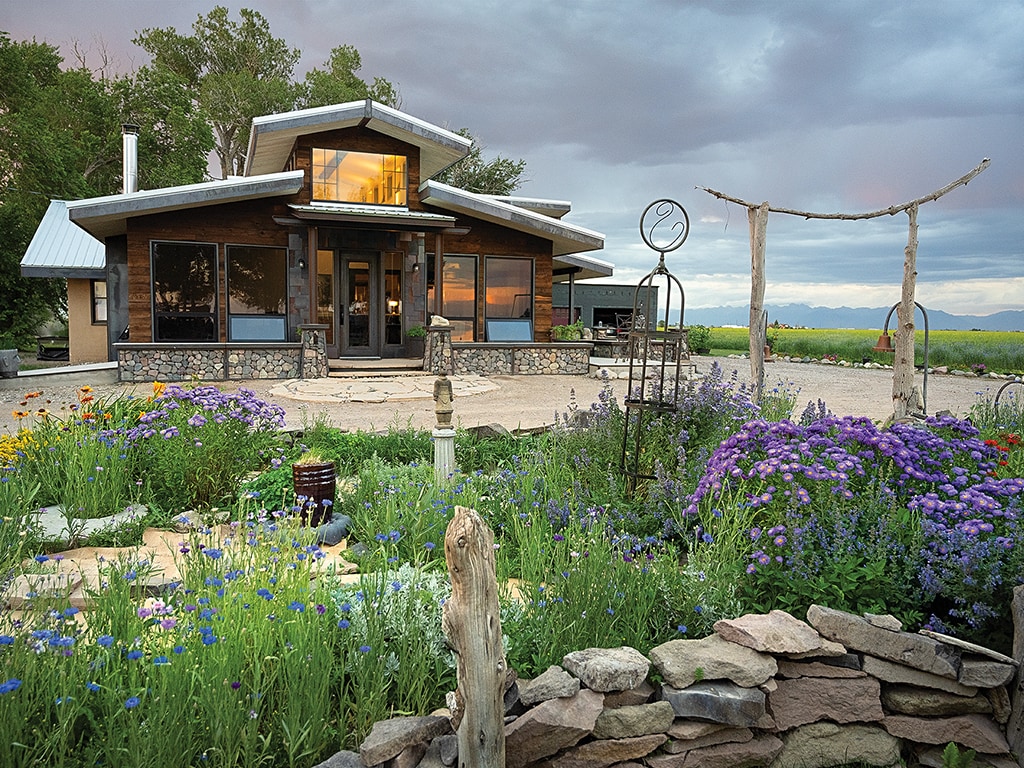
(60, 249)
(373, 214)
(582, 267)
(273, 136)
(106, 216)
(565, 238)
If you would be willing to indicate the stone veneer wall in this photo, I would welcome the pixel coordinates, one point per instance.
(209, 362)
(764, 690)
(491, 359)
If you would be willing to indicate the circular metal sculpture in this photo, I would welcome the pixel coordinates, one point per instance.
(656, 347)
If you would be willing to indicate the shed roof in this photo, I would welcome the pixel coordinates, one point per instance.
(565, 238)
(273, 136)
(106, 216)
(60, 249)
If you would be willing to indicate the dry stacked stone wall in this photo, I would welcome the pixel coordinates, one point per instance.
(764, 690)
(521, 359)
(209, 363)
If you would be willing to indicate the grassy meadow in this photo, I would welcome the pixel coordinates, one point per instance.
(998, 351)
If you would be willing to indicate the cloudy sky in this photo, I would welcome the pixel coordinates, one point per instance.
(815, 105)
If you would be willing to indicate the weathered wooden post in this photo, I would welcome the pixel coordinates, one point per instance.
(472, 624)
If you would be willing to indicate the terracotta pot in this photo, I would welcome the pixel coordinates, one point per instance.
(314, 486)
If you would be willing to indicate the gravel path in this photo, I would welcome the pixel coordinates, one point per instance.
(529, 401)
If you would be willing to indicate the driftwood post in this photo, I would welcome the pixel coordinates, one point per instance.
(472, 624)
(758, 236)
(903, 369)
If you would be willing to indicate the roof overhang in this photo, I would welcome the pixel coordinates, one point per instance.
(556, 209)
(273, 136)
(104, 217)
(393, 218)
(60, 249)
(579, 267)
(565, 238)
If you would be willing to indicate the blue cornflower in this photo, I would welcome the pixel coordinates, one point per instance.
(6, 640)
(212, 553)
(364, 649)
(209, 639)
(134, 655)
(161, 661)
(343, 624)
(92, 686)
(105, 640)
(10, 685)
(295, 605)
(131, 702)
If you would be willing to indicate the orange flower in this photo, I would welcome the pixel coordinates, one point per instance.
(158, 388)
(30, 395)
(86, 399)
(85, 390)
(19, 414)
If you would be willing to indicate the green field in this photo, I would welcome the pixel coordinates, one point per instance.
(998, 351)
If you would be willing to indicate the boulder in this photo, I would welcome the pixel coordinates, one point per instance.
(553, 683)
(776, 632)
(683, 662)
(724, 735)
(809, 699)
(343, 759)
(789, 668)
(985, 673)
(606, 752)
(972, 731)
(550, 727)
(388, 738)
(821, 745)
(720, 702)
(897, 673)
(928, 702)
(608, 669)
(912, 650)
(639, 720)
(761, 750)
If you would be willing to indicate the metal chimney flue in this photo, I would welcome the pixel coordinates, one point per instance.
(130, 157)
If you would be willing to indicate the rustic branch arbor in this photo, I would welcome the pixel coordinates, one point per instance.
(903, 366)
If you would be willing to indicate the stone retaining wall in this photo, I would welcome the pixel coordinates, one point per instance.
(491, 359)
(208, 362)
(764, 690)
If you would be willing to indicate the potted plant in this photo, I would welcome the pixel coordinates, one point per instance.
(415, 341)
(314, 481)
(698, 338)
(9, 360)
(572, 332)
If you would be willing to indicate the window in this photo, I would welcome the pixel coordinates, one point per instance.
(509, 287)
(458, 294)
(184, 291)
(98, 300)
(359, 177)
(257, 288)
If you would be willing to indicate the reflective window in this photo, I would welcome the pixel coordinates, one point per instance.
(458, 294)
(509, 285)
(184, 291)
(98, 297)
(257, 288)
(359, 177)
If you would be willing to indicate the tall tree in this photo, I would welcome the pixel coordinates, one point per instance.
(500, 176)
(338, 82)
(237, 70)
(59, 139)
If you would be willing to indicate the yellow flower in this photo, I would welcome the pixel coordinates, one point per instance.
(19, 414)
(85, 390)
(158, 388)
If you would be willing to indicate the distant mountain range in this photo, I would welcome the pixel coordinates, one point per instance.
(858, 317)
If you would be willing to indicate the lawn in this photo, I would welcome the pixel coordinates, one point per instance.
(262, 655)
(998, 351)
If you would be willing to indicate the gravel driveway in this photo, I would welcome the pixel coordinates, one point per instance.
(529, 401)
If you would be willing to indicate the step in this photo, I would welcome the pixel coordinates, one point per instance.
(371, 367)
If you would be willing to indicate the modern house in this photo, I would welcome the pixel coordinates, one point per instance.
(336, 228)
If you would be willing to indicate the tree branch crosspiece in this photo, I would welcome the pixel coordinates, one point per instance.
(903, 365)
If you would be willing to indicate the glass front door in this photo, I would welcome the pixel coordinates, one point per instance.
(359, 330)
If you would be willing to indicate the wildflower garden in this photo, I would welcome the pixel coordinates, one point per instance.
(261, 654)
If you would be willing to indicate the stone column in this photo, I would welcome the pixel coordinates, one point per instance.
(438, 358)
(313, 360)
(1015, 727)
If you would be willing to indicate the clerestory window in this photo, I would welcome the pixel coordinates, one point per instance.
(359, 177)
